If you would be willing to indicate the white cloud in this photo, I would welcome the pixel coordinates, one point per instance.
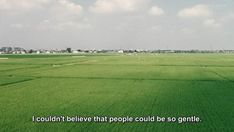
(47, 25)
(17, 25)
(196, 11)
(60, 6)
(64, 25)
(212, 23)
(64, 14)
(72, 25)
(228, 18)
(156, 11)
(111, 6)
(70, 7)
(56, 13)
(156, 28)
(18, 5)
(187, 30)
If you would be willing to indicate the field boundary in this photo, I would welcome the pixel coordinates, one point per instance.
(16, 82)
(133, 79)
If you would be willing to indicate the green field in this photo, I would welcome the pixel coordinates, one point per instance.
(117, 85)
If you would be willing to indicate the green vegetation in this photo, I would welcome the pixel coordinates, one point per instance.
(117, 85)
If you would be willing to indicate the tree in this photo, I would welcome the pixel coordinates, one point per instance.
(30, 51)
(69, 50)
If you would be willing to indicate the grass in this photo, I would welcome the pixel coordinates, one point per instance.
(117, 85)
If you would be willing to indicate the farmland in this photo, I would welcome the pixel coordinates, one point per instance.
(117, 85)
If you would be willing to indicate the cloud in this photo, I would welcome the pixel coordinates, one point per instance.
(228, 18)
(70, 7)
(17, 25)
(61, 6)
(113, 6)
(64, 14)
(212, 23)
(72, 25)
(196, 11)
(21, 5)
(44, 14)
(64, 25)
(156, 11)
(64, 10)
(119, 22)
(155, 28)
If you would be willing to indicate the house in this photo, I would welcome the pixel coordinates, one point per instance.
(121, 51)
(75, 52)
(22, 52)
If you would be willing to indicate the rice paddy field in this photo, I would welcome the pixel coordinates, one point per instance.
(166, 85)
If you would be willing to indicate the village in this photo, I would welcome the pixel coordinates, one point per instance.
(19, 50)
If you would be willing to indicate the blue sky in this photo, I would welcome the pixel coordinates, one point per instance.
(117, 24)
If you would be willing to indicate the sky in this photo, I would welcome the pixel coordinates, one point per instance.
(117, 24)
